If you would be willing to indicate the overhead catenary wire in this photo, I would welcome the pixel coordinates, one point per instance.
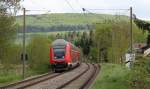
(107, 11)
(79, 4)
(37, 10)
(118, 12)
(70, 5)
(89, 10)
(111, 9)
(83, 9)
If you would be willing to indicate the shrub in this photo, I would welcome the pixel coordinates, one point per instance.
(113, 39)
(38, 53)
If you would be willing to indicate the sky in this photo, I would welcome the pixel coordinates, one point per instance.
(140, 7)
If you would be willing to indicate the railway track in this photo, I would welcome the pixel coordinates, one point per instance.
(84, 80)
(78, 78)
(31, 81)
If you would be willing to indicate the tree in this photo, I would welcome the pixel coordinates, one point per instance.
(84, 43)
(91, 37)
(103, 40)
(7, 26)
(145, 26)
(7, 5)
(38, 45)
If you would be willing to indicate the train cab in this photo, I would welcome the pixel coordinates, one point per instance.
(63, 55)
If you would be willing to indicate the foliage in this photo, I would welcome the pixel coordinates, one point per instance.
(84, 43)
(38, 53)
(93, 54)
(112, 76)
(111, 37)
(112, 40)
(7, 5)
(145, 26)
(140, 77)
(12, 55)
(7, 33)
(9, 76)
(8, 51)
(53, 19)
(63, 21)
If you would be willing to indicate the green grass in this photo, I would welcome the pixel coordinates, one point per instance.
(112, 76)
(8, 77)
(11, 76)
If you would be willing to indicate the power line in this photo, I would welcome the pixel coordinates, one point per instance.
(70, 5)
(111, 9)
(91, 10)
(83, 9)
(78, 3)
(37, 10)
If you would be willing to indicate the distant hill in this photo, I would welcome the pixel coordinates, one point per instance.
(65, 21)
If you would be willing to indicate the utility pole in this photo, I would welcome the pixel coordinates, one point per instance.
(130, 56)
(24, 51)
(131, 38)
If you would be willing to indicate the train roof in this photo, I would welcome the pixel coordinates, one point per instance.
(59, 42)
(62, 43)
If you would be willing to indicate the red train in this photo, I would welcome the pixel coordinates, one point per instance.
(64, 55)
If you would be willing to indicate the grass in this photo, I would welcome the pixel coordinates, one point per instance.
(142, 72)
(112, 76)
(9, 77)
(14, 74)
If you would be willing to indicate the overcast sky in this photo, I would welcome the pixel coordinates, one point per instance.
(140, 7)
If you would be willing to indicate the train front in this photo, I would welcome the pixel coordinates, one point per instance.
(58, 57)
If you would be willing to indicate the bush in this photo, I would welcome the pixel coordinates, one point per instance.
(9, 76)
(140, 76)
(93, 54)
(38, 52)
(113, 39)
(12, 55)
(147, 65)
(7, 33)
(112, 76)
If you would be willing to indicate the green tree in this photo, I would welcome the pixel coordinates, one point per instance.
(112, 40)
(7, 26)
(38, 52)
(145, 26)
(84, 43)
(102, 39)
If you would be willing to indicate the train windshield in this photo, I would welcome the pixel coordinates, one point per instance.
(59, 53)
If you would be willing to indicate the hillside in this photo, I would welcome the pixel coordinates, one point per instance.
(65, 21)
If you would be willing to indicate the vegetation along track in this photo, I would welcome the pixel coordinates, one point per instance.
(31, 81)
(78, 78)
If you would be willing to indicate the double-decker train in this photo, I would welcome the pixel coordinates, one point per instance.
(64, 55)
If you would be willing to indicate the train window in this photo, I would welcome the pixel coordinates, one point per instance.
(59, 53)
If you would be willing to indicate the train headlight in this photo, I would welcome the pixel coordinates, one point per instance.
(69, 63)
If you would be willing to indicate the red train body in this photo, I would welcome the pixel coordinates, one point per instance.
(63, 55)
